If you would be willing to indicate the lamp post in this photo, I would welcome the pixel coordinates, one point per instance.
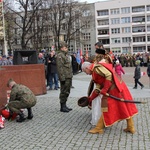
(32, 4)
(5, 51)
(130, 51)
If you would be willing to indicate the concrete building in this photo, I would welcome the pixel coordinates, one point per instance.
(123, 26)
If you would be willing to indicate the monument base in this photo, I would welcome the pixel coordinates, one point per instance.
(33, 76)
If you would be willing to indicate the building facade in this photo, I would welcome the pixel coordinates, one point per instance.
(123, 26)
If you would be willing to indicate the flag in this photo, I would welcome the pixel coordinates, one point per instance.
(143, 73)
(86, 54)
(78, 59)
(81, 56)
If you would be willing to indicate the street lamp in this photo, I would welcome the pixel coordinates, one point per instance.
(3, 27)
(130, 51)
(32, 4)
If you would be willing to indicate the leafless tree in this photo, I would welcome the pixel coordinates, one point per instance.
(65, 18)
(34, 18)
(24, 16)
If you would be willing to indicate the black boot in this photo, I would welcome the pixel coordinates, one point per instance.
(68, 108)
(21, 117)
(10, 115)
(30, 115)
(63, 107)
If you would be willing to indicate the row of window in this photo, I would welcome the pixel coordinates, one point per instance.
(123, 20)
(129, 40)
(124, 30)
(128, 49)
(124, 10)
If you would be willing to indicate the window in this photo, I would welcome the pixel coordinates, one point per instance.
(50, 28)
(102, 13)
(148, 8)
(114, 11)
(148, 28)
(139, 49)
(116, 50)
(103, 22)
(86, 13)
(88, 47)
(125, 50)
(138, 9)
(138, 19)
(125, 20)
(125, 10)
(148, 38)
(18, 41)
(139, 39)
(115, 21)
(86, 36)
(126, 39)
(86, 24)
(104, 41)
(148, 18)
(101, 32)
(115, 40)
(115, 30)
(71, 48)
(126, 30)
(138, 29)
(18, 20)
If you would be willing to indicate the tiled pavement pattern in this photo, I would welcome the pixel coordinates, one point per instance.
(51, 129)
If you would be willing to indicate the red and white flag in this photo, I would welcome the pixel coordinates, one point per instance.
(81, 56)
(143, 73)
(86, 54)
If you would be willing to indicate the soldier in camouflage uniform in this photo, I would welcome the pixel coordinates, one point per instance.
(64, 68)
(20, 97)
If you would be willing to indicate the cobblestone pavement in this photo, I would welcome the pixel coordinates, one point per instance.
(51, 129)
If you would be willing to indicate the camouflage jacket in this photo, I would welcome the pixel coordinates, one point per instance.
(22, 93)
(64, 66)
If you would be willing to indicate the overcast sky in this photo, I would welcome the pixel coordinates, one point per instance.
(90, 1)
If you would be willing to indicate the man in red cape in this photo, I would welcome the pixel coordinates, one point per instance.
(113, 111)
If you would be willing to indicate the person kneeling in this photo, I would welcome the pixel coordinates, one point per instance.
(21, 97)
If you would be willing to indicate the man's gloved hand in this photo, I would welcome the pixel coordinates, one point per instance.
(62, 82)
(94, 94)
(107, 85)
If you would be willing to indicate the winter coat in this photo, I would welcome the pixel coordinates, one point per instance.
(137, 72)
(119, 70)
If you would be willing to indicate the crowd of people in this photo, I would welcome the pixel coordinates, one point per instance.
(6, 60)
(128, 60)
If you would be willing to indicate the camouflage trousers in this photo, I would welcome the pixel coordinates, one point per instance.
(16, 105)
(65, 90)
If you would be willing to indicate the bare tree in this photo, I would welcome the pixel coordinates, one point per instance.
(65, 18)
(34, 18)
(24, 19)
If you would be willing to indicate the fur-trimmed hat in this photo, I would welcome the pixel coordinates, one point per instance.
(100, 51)
(83, 101)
